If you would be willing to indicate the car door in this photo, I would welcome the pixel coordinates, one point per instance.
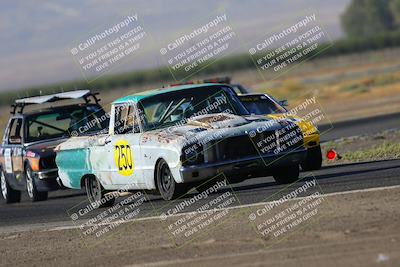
(121, 150)
(127, 154)
(12, 153)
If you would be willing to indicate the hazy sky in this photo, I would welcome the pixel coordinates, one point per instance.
(36, 35)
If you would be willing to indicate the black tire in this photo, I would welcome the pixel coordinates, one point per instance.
(166, 185)
(97, 196)
(10, 195)
(313, 159)
(287, 175)
(31, 189)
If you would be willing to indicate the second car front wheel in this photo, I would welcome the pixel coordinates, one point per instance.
(313, 160)
(287, 174)
(31, 187)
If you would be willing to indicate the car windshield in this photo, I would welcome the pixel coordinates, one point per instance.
(65, 121)
(239, 89)
(261, 105)
(174, 107)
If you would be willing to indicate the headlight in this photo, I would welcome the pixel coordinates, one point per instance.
(34, 163)
(192, 154)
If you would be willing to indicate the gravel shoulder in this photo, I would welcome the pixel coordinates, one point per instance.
(352, 229)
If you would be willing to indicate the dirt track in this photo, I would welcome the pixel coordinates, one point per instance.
(353, 229)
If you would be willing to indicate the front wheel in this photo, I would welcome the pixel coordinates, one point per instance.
(168, 188)
(96, 194)
(313, 159)
(9, 194)
(31, 188)
(287, 175)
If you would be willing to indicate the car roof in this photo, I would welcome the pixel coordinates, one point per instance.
(145, 94)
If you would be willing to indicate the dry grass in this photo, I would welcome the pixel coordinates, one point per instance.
(380, 146)
(347, 87)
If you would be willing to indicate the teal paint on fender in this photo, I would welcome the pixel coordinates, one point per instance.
(75, 163)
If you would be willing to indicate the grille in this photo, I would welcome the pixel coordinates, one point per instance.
(235, 148)
(268, 142)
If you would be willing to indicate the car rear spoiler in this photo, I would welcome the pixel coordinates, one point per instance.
(86, 95)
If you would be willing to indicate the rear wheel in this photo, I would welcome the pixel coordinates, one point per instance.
(96, 194)
(10, 195)
(168, 188)
(313, 159)
(31, 188)
(287, 175)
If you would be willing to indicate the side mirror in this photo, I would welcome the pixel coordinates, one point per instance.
(283, 103)
(107, 139)
(15, 139)
(136, 129)
(102, 141)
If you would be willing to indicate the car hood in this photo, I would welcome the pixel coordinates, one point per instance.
(210, 127)
(44, 146)
(306, 126)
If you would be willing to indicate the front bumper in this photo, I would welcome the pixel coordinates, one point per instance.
(248, 166)
(311, 140)
(47, 174)
(46, 180)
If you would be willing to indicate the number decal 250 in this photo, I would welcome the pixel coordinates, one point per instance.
(123, 158)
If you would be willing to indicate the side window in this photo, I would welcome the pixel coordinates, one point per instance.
(15, 132)
(125, 120)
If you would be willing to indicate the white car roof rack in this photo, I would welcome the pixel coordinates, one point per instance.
(21, 103)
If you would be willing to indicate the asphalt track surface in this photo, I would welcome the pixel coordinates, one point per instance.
(365, 126)
(331, 179)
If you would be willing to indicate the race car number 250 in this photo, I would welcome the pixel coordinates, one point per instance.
(123, 158)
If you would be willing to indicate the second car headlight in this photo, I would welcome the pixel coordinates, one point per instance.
(192, 154)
